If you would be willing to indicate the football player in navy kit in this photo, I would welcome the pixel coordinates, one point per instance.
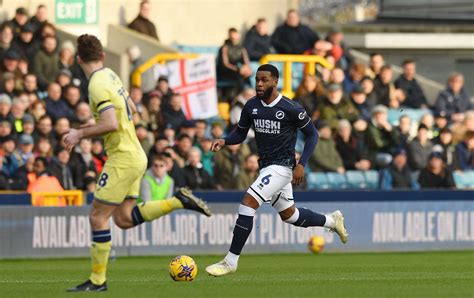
(276, 120)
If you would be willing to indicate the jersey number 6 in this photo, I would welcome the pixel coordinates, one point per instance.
(265, 180)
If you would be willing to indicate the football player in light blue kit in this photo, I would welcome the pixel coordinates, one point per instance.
(276, 120)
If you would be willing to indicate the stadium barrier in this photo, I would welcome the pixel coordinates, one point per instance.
(60, 199)
(310, 62)
(376, 221)
(157, 59)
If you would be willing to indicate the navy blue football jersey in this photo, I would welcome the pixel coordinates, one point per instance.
(276, 127)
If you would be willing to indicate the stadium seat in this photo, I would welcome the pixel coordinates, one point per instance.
(464, 180)
(372, 179)
(356, 179)
(224, 110)
(414, 114)
(336, 180)
(317, 180)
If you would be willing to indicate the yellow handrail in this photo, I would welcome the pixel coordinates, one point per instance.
(309, 60)
(157, 59)
(62, 198)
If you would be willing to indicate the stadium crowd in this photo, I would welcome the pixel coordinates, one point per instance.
(43, 93)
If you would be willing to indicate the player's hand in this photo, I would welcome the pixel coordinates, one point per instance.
(298, 174)
(216, 145)
(71, 138)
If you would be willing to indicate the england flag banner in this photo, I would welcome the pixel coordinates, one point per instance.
(195, 80)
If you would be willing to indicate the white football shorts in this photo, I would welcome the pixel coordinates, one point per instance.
(273, 186)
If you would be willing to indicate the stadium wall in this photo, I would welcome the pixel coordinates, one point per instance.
(377, 221)
(177, 21)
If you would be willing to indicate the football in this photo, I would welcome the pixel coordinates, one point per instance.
(316, 244)
(183, 268)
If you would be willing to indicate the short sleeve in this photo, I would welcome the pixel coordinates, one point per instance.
(100, 99)
(300, 117)
(245, 119)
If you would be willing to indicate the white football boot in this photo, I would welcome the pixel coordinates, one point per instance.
(221, 268)
(339, 225)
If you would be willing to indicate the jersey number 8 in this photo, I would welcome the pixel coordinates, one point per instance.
(103, 179)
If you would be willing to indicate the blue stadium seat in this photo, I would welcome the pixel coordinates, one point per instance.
(336, 180)
(372, 179)
(317, 180)
(356, 179)
(414, 114)
(464, 180)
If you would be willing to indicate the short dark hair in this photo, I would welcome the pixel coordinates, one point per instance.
(373, 54)
(408, 61)
(201, 121)
(261, 20)
(233, 30)
(270, 68)
(386, 67)
(89, 48)
(43, 160)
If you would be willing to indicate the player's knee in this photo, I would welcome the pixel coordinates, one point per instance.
(97, 220)
(290, 215)
(122, 221)
(250, 201)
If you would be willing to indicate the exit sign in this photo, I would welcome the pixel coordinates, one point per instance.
(76, 11)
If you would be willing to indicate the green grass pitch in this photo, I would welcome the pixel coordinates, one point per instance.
(423, 274)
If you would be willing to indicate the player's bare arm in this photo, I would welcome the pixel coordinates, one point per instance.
(107, 123)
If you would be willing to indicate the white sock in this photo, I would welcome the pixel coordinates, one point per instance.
(330, 223)
(232, 259)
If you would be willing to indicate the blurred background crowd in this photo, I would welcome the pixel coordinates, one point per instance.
(43, 93)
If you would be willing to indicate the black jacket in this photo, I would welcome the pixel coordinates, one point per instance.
(257, 45)
(415, 97)
(293, 40)
(197, 178)
(429, 180)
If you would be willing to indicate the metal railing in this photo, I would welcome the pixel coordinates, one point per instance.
(62, 198)
(309, 60)
(157, 59)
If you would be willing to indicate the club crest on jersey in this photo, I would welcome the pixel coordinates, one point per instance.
(301, 115)
(254, 112)
(279, 115)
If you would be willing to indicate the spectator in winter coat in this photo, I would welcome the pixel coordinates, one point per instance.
(436, 174)
(228, 163)
(292, 37)
(346, 145)
(26, 44)
(257, 41)
(419, 149)
(464, 158)
(46, 65)
(173, 114)
(326, 158)
(398, 174)
(195, 175)
(376, 63)
(454, 100)
(445, 144)
(340, 51)
(142, 22)
(336, 107)
(249, 174)
(55, 106)
(381, 137)
(415, 98)
(233, 62)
